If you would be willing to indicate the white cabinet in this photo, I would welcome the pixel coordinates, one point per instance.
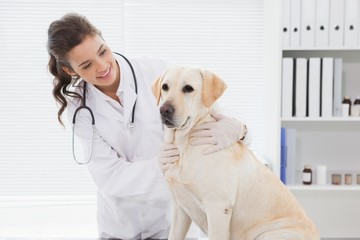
(334, 209)
(330, 141)
(334, 142)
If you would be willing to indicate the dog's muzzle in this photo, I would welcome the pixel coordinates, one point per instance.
(167, 112)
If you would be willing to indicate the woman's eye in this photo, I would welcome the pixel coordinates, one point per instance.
(165, 87)
(102, 53)
(87, 66)
(187, 89)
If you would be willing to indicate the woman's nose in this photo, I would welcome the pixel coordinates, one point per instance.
(101, 66)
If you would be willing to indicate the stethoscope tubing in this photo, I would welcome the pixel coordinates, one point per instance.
(136, 88)
(84, 106)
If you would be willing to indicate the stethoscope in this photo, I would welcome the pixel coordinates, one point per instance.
(83, 106)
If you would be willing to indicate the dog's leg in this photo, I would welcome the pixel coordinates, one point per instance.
(284, 234)
(169, 135)
(180, 224)
(219, 219)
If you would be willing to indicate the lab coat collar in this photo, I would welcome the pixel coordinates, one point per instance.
(126, 87)
(103, 104)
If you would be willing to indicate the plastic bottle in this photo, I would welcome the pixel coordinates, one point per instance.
(346, 107)
(320, 175)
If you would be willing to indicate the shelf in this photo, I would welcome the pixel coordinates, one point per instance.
(322, 49)
(328, 187)
(321, 119)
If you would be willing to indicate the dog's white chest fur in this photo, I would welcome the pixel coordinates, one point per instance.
(198, 181)
(226, 191)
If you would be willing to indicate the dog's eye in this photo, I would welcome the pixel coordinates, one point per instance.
(187, 89)
(165, 87)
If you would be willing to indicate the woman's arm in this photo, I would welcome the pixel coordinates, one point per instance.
(112, 173)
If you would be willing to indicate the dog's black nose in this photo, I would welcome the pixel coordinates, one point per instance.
(167, 111)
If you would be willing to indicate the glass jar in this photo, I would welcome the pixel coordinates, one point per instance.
(355, 109)
(307, 175)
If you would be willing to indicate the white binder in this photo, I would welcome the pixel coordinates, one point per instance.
(337, 87)
(307, 32)
(327, 87)
(301, 87)
(286, 23)
(295, 8)
(287, 87)
(322, 23)
(336, 23)
(314, 87)
(351, 23)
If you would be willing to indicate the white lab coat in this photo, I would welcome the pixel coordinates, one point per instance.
(132, 196)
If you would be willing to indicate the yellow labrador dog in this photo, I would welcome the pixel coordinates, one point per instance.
(229, 194)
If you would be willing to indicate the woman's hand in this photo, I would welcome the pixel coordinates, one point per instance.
(169, 155)
(220, 134)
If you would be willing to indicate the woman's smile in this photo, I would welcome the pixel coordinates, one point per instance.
(106, 75)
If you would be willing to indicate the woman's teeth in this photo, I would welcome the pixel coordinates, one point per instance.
(107, 73)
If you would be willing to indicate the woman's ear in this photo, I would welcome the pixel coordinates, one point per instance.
(68, 71)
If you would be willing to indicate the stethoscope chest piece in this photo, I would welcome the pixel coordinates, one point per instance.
(131, 127)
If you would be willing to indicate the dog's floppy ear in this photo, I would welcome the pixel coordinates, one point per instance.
(156, 88)
(213, 87)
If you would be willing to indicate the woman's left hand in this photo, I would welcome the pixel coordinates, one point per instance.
(220, 134)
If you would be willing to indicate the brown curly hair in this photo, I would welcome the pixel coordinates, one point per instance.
(63, 35)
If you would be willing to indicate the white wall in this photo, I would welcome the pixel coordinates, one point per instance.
(226, 37)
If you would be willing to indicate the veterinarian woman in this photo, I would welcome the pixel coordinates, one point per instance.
(124, 146)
